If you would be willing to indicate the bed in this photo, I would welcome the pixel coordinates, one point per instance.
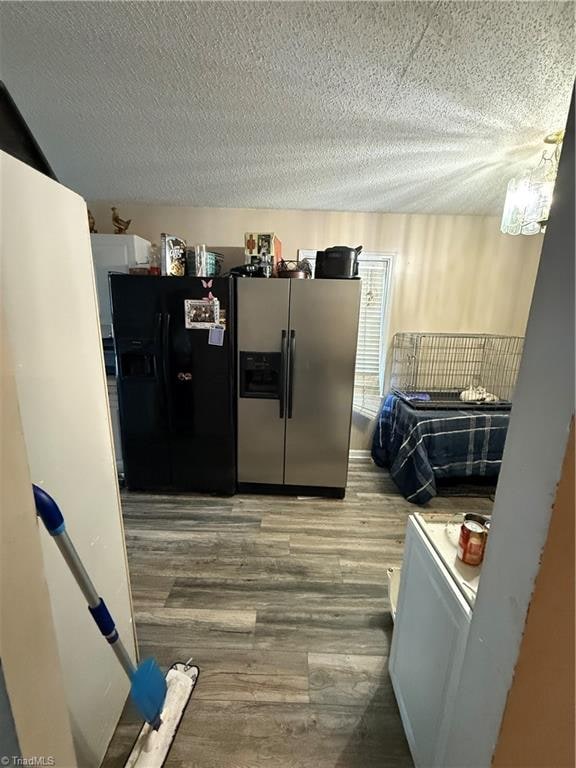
(421, 446)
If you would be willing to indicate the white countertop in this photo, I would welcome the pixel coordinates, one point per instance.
(444, 538)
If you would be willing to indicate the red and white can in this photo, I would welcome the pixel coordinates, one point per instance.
(472, 542)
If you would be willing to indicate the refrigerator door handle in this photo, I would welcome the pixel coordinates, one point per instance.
(166, 367)
(291, 372)
(282, 391)
(157, 343)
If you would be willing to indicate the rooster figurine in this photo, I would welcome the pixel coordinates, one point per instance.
(120, 225)
(91, 223)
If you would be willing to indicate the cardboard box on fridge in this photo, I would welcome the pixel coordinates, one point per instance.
(257, 242)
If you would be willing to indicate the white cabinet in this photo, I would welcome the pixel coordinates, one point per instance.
(430, 633)
(114, 253)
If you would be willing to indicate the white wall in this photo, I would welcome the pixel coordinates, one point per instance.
(453, 273)
(535, 447)
(48, 294)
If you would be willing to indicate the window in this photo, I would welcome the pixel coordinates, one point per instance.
(375, 270)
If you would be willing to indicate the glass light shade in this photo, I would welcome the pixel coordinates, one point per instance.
(519, 199)
(542, 181)
(528, 198)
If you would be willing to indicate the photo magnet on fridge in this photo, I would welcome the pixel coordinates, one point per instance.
(201, 314)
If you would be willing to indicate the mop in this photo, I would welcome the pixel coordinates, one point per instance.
(160, 700)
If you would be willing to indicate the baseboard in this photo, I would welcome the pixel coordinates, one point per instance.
(357, 453)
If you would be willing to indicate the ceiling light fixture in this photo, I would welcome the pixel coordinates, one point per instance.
(529, 196)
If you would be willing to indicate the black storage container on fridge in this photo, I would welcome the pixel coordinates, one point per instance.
(339, 262)
(176, 388)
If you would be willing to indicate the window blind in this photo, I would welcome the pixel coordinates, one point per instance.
(371, 350)
(374, 269)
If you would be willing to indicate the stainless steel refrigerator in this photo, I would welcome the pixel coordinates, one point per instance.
(296, 353)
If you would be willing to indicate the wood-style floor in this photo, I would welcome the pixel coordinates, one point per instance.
(283, 604)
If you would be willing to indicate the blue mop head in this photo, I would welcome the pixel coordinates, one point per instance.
(148, 691)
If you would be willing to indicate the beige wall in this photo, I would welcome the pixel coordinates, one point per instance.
(542, 692)
(453, 273)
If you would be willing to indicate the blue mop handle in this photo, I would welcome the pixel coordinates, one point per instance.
(50, 514)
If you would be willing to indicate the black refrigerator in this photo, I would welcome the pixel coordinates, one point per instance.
(174, 341)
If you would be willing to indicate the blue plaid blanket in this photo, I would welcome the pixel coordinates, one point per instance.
(421, 445)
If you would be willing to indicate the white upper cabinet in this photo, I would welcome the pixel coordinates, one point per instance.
(114, 253)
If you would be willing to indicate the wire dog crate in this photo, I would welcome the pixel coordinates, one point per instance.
(431, 370)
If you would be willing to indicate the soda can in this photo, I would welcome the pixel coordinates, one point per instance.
(472, 542)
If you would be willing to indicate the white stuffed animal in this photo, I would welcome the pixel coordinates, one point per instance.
(477, 395)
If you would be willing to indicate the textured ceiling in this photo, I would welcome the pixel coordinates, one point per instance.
(393, 106)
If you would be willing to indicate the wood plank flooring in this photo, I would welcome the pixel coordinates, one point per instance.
(283, 604)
